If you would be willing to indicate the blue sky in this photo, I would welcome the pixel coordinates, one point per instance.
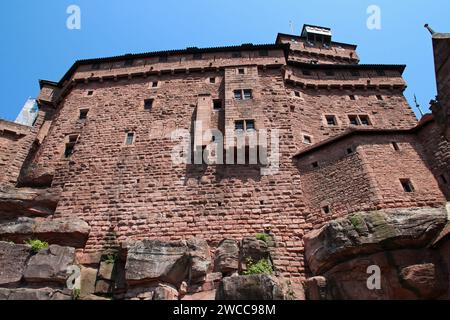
(38, 45)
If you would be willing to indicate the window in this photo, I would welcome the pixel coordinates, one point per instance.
(331, 120)
(329, 73)
(352, 97)
(154, 84)
(129, 138)
(315, 164)
(244, 125)
(247, 94)
(381, 73)
(238, 94)
(83, 114)
(306, 72)
(236, 55)
(128, 63)
(407, 185)
(95, 66)
(217, 104)
(379, 97)
(70, 145)
(355, 73)
(239, 125)
(364, 120)
(148, 104)
(357, 120)
(250, 125)
(163, 58)
(212, 80)
(90, 93)
(326, 209)
(297, 94)
(349, 150)
(307, 139)
(353, 120)
(241, 71)
(263, 53)
(395, 146)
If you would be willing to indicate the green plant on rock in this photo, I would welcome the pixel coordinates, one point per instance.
(109, 258)
(76, 294)
(263, 266)
(37, 245)
(262, 236)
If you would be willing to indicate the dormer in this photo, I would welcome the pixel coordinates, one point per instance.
(316, 35)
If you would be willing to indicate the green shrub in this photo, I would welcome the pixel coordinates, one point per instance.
(37, 245)
(109, 258)
(263, 266)
(262, 236)
(76, 294)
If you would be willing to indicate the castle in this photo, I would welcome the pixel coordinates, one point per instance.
(95, 170)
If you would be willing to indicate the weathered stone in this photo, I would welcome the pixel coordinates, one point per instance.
(183, 288)
(165, 292)
(103, 287)
(66, 232)
(252, 287)
(38, 294)
(151, 260)
(12, 262)
(27, 202)
(427, 280)
(200, 259)
(87, 282)
(50, 265)
(253, 250)
(106, 270)
(316, 288)
(227, 257)
(204, 295)
(369, 232)
(93, 297)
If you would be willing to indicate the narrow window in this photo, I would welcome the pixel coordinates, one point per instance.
(307, 139)
(353, 120)
(407, 185)
(364, 119)
(90, 93)
(128, 63)
(326, 209)
(381, 73)
(217, 104)
(306, 72)
(380, 97)
(395, 146)
(69, 150)
(238, 94)
(95, 66)
(198, 56)
(236, 55)
(148, 104)
(349, 150)
(352, 97)
(241, 71)
(163, 58)
(212, 80)
(315, 164)
(239, 125)
(331, 120)
(250, 125)
(443, 179)
(355, 73)
(83, 114)
(130, 138)
(154, 84)
(263, 53)
(297, 94)
(247, 94)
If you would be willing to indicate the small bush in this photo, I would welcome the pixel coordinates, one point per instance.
(76, 294)
(262, 236)
(109, 258)
(263, 266)
(37, 245)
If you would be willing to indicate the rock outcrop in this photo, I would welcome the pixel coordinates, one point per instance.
(251, 287)
(27, 202)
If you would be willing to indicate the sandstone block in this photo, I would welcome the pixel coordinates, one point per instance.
(227, 257)
(252, 287)
(12, 262)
